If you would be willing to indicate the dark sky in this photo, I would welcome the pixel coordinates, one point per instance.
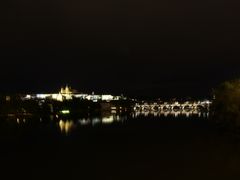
(144, 48)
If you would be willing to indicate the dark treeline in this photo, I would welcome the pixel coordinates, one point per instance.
(226, 106)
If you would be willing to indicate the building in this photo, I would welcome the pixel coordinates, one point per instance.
(67, 93)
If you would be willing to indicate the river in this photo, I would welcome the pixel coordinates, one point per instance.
(139, 145)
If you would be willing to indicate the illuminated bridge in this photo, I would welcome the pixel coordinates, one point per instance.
(175, 106)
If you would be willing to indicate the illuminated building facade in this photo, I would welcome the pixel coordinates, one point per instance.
(68, 93)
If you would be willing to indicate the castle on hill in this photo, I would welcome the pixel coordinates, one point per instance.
(67, 93)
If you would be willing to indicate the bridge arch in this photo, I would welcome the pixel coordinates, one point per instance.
(155, 108)
(187, 107)
(176, 108)
(165, 108)
(200, 107)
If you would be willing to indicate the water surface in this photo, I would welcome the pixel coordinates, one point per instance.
(139, 145)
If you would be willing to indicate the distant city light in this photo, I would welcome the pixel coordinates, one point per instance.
(107, 120)
(65, 112)
(107, 97)
(68, 94)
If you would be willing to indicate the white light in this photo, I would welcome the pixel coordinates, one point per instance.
(43, 96)
(65, 112)
(107, 97)
(28, 96)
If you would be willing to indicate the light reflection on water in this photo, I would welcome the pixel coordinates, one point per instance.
(67, 125)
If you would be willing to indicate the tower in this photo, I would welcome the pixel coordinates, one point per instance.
(68, 90)
(62, 91)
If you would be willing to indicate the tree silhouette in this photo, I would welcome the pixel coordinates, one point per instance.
(226, 105)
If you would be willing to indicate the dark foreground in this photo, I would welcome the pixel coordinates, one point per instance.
(142, 148)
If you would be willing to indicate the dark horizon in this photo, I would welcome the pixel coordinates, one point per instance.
(142, 49)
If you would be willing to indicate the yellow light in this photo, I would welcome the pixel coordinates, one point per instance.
(107, 120)
(66, 126)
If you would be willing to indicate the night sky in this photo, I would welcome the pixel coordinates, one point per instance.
(148, 48)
